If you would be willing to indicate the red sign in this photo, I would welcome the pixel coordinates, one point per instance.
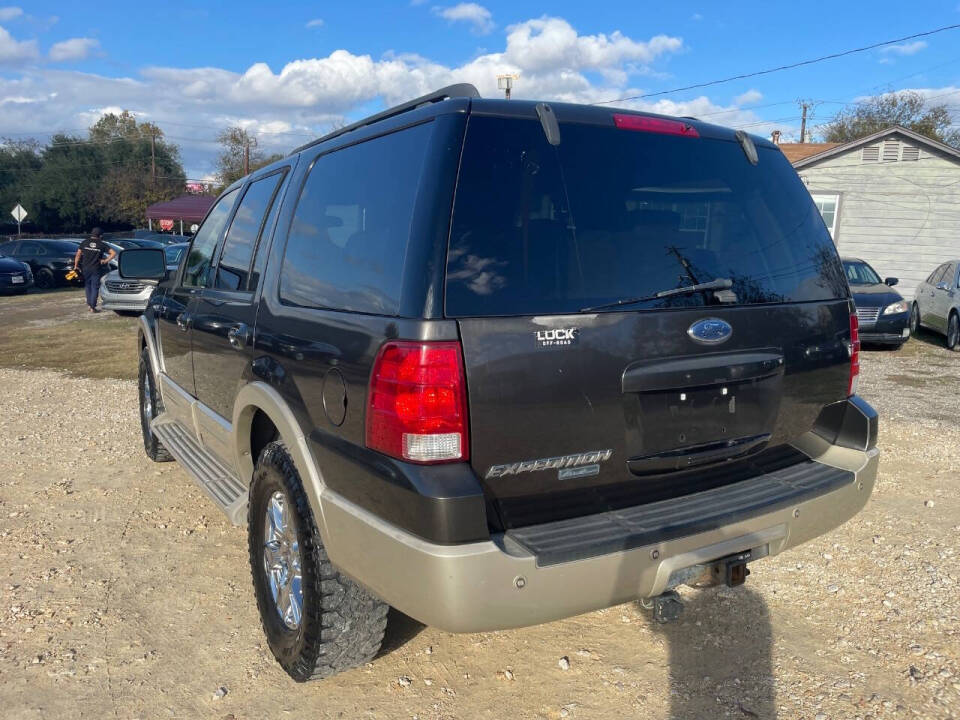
(166, 224)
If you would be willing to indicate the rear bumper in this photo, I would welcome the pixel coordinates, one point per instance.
(499, 583)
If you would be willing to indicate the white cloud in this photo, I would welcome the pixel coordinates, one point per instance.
(13, 51)
(315, 23)
(301, 100)
(750, 96)
(476, 15)
(73, 49)
(696, 17)
(906, 48)
(10, 13)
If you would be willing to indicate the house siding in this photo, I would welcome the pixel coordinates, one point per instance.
(902, 217)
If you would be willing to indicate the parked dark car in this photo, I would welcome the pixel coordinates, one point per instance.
(883, 313)
(936, 303)
(15, 276)
(49, 260)
(496, 363)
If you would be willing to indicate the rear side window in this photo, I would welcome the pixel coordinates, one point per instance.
(349, 235)
(612, 214)
(938, 274)
(205, 242)
(238, 246)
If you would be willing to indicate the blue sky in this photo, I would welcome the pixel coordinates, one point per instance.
(287, 71)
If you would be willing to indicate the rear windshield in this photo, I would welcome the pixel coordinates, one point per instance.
(611, 214)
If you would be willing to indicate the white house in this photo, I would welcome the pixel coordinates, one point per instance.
(892, 199)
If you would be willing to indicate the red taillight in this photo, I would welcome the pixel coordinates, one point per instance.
(854, 355)
(641, 123)
(417, 402)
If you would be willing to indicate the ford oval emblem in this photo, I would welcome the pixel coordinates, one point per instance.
(710, 331)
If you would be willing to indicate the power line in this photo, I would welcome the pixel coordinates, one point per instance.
(780, 68)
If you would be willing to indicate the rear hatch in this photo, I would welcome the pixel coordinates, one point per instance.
(579, 405)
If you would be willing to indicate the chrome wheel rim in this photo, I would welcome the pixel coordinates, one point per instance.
(281, 560)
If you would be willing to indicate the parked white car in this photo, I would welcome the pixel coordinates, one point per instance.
(130, 296)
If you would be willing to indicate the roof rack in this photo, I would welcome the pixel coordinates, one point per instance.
(461, 90)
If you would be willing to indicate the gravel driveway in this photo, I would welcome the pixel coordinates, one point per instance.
(124, 593)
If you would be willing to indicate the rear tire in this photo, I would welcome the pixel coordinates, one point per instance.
(338, 625)
(44, 279)
(150, 407)
(953, 332)
(914, 319)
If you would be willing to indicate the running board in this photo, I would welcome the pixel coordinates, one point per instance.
(229, 494)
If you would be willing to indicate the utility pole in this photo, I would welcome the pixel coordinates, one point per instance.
(153, 158)
(803, 122)
(246, 158)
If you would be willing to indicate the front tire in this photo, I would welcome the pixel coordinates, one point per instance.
(150, 407)
(953, 332)
(44, 279)
(317, 621)
(914, 319)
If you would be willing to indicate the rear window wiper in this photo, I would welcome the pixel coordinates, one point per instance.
(718, 284)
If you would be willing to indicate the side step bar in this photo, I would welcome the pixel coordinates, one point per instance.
(218, 482)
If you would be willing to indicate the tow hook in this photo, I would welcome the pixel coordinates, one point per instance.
(667, 607)
(732, 570)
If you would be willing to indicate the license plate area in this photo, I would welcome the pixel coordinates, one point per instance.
(16, 280)
(724, 407)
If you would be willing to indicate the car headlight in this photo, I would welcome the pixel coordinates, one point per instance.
(898, 307)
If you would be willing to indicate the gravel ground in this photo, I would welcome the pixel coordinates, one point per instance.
(124, 593)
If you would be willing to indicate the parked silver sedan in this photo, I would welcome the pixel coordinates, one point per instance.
(936, 303)
(131, 296)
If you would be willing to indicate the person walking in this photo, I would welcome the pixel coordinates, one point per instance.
(91, 256)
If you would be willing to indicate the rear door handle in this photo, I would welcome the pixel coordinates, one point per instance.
(183, 321)
(238, 336)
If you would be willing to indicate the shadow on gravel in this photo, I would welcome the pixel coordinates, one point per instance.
(401, 629)
(723, 666)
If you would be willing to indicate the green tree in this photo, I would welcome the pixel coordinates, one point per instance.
(19, 163)
(906, 108)
(230, 162)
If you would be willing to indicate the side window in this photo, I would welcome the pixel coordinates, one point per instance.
(205, 242)
(949, 275)
(234, 267)
(348, 239)
(28, 248)
(938, 275)
(10, 249)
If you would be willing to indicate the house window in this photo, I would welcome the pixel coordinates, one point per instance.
(827, 205)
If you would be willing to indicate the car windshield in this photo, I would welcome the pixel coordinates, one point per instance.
(859, 273)
(610, 214)
(173, 253)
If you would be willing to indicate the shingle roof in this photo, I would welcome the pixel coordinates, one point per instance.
(799, 151)
(950, 153)
(189, 208)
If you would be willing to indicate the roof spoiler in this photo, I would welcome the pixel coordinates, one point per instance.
(461, 90)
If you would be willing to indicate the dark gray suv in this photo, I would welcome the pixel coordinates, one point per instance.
(497, 363)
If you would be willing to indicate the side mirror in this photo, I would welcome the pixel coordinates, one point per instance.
(891, 281)
(143, 264)
(942, 286)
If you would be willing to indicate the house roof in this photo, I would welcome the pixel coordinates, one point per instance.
(798, 151)
(190, 208)
(840, 148)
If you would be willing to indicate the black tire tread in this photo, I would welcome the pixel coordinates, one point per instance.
(151, 444)
(345, 629)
